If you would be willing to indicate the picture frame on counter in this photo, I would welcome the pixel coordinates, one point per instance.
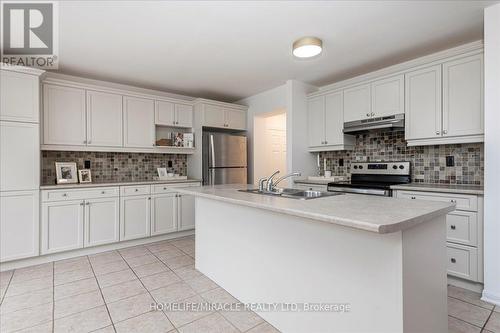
(66, 173)
(85, 176)
(162, 173)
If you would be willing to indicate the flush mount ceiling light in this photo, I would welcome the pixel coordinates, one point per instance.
(307, 47)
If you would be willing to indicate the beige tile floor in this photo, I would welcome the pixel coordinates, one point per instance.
(113, 292)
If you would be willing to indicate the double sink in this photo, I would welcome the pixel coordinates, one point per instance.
(293, 193)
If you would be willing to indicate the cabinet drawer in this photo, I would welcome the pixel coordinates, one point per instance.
(79, 194)
(167, 188)
(135, 190)
(462, 261)
(462, 227)
(463, 201)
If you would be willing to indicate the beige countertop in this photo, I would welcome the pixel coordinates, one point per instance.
(364, 212)
(446, 188)
(143, 182)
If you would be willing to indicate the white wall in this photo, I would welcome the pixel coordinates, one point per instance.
(267, 101)
(298, 157)
(292, 96)
(491, 291)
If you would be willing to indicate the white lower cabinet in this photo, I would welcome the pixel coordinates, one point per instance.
(464, 232)
(62, 226)
(163, 213)
(102, 221)
(86, 217)
(186, 212)
(19, 225)
(135, 212)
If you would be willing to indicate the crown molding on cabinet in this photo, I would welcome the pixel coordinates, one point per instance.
(115, 88)
(22, 69)
(221, 104)
(428, 60)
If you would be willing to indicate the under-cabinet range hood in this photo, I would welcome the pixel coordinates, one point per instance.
(395, 121)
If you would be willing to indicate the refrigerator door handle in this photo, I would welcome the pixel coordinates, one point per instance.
(212, 151)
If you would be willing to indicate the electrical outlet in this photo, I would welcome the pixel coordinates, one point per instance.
(450, 161)
(341, 162)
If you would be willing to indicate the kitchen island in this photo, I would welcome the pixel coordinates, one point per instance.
(368, 264)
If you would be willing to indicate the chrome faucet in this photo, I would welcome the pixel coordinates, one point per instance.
(293, 174)
(270, 185)
(261, 184)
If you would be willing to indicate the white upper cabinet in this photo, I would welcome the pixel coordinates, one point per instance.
(213, 116)
(326, 123)
(334, 120)
(316, 121)
(64, 116)
(236, 119)
(19, 97)
(19, 156)
(184, 115)
(357, 103)
(173, 114)
(224, 117)
(104, 119)
(388, 96)
(165, 113)
(463, 112)
(139, 122)
(423, 103)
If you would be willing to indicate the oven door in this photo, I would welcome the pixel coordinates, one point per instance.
(357, 190)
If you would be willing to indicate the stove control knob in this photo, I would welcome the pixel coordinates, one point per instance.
(401, 166)
(355, 167)
(361, 167)
(394, 166)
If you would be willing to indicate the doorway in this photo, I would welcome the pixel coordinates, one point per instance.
(269, 144)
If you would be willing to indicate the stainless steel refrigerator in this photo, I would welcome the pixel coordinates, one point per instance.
(224, 158)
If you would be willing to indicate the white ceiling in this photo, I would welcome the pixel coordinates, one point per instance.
(230, 50)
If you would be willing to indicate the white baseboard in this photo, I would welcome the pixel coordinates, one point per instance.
(491, 298)
(15, 264)
(469, 285)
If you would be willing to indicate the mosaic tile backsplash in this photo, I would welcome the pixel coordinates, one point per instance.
(428, 162)
(113, 167)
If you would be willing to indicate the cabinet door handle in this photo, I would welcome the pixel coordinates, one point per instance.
(164, 188)
(372, 114)
(413, 197)
(445, 132)
(453, 260)
(65, 194)
(87, 203)
(453, 227)
(103, 192)
(137, 190)
(85, 141)
(438, 133)
(82, 203)
(326, 142)
(453, 201)
(367, 114)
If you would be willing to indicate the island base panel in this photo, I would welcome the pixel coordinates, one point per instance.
(260, 256)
